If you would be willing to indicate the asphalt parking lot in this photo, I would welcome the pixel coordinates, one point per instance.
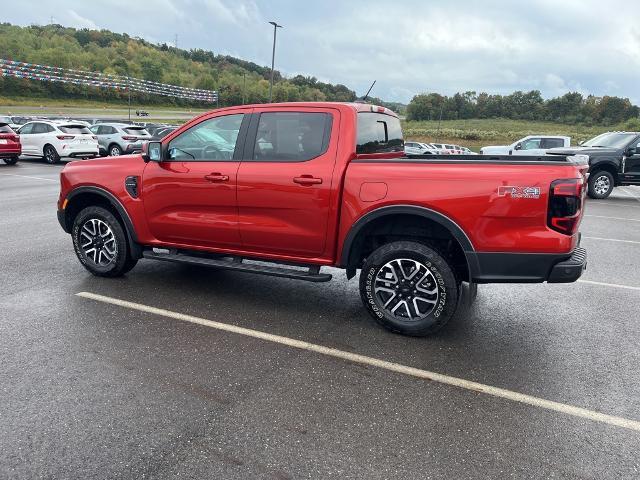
(89, 389)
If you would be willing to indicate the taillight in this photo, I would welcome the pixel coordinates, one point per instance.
(129, 138)
(566, 198)
(65, 137)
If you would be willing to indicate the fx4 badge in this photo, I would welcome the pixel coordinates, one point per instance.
(519, 192)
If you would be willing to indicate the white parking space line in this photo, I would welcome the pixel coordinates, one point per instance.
(374, 362)
(611, 240)
(29, 176)
(614, 218)
(612, 285)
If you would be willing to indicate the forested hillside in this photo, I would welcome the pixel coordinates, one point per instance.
(113, 53)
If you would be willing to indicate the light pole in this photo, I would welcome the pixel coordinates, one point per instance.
(273, 56)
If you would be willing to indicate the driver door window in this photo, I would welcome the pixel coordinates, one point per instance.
(531, 144)
(212, 140)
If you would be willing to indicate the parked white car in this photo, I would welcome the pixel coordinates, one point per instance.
(529, 145)
(419, 148)
(55, 140)
(467, 151)
(444, 149)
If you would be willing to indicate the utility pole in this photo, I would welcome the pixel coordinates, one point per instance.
(244, 86)
(439, 120)
(129, 91)
(273, 57)
(176, 41)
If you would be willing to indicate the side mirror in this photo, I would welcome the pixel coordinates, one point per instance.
(518, 146)
(152, 152)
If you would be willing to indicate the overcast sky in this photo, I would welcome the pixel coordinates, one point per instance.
(408, 46)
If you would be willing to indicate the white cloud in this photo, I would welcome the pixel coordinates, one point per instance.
(79, 21)
(409, 47)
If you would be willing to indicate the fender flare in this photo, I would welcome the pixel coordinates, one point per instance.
(451, 226)
(129, 229)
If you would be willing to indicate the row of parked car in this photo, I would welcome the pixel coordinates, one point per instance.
(56, 138)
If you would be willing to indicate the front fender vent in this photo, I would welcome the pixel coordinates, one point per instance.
(131, 186)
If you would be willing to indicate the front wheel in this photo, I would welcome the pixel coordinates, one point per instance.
(600, 185)
(50, 154)
(409, 288)
(11, 161)
(101, 244)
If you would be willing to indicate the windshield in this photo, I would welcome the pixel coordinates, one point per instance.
(613, 140)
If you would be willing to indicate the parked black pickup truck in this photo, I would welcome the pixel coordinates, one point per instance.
(614, 160)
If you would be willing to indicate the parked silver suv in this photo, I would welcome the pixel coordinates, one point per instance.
(120, 138)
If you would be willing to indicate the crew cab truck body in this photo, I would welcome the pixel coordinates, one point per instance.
(326, 184)
(614, 160)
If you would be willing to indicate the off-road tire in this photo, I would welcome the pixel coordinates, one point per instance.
(437, 273)
(122, 260)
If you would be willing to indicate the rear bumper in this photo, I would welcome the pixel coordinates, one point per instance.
(571, 269)
(133, 148)
(10, 153)
(92, 153)
(527, 267)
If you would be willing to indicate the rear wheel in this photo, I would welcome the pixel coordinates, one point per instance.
(101, 244)
(115, 151)
(409, 288)
(11, 161)
(600, 184)
(50, 154)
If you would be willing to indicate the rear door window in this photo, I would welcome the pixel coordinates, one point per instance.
(39, 128)
(552, 143)
(378, 133)
(292, 136)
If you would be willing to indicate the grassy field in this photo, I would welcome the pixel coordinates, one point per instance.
(481, 132)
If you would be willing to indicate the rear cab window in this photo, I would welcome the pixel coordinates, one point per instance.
(5, 129)
(378, 133)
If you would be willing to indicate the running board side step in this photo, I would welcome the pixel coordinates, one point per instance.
(312, 274)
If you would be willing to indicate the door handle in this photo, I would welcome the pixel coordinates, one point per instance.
(307, 180)
(216, 177)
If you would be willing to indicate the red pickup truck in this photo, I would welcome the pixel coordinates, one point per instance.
(285, 189)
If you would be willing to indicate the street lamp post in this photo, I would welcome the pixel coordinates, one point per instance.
(273, 57)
